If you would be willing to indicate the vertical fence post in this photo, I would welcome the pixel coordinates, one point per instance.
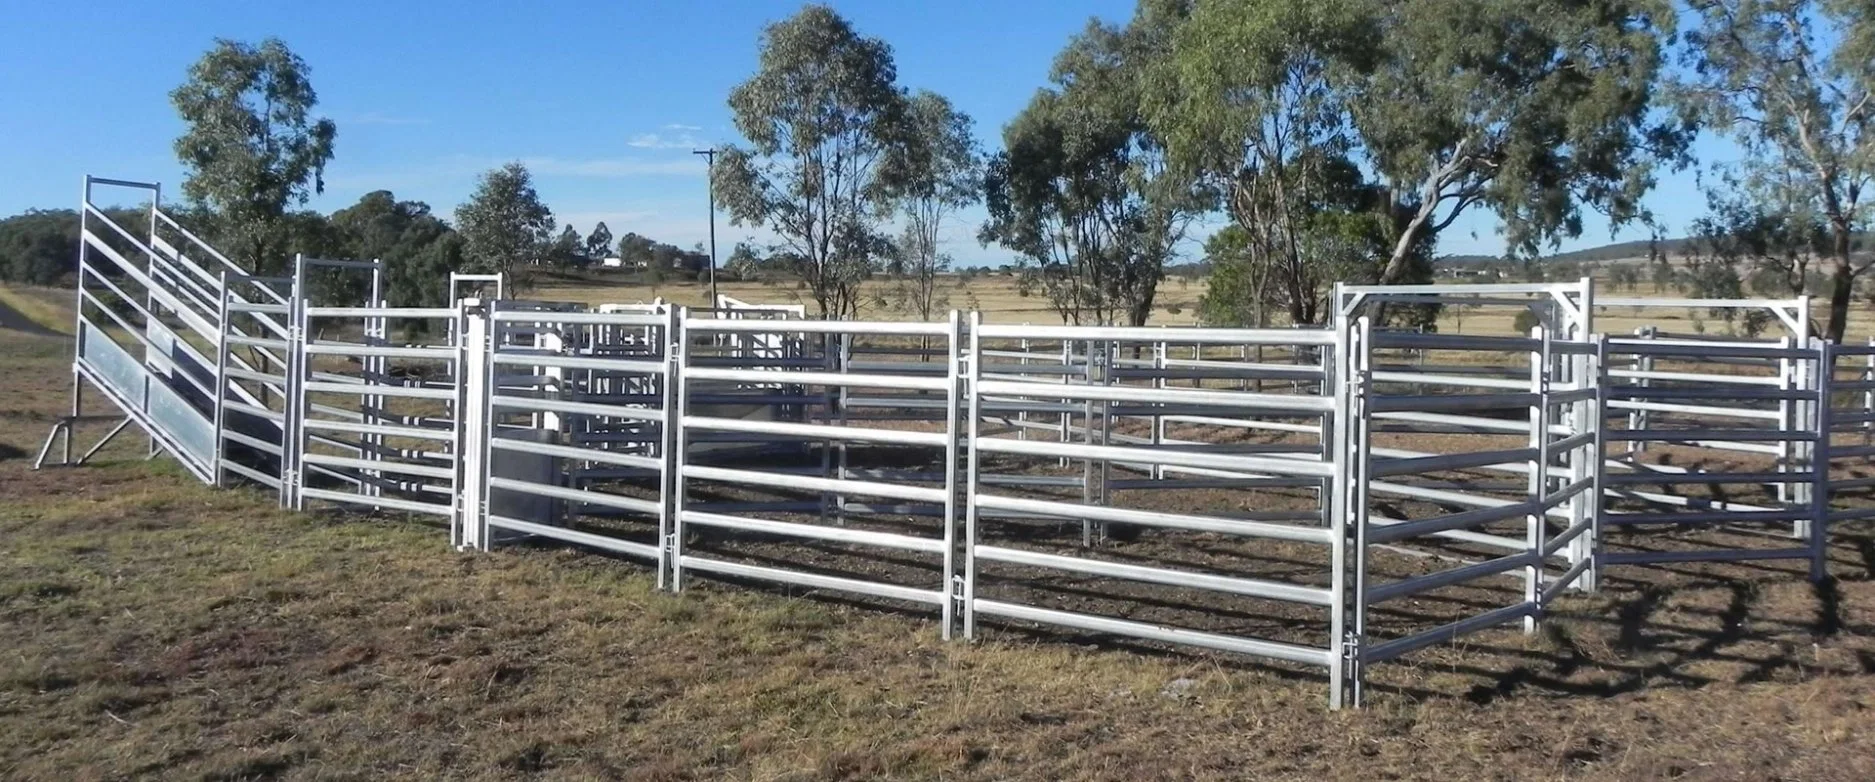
(374, 371)
(1338, 384)
(292, 444)
(1787, 411)
(1822, 382)
(829, 404)
(474, 422)
(677, 406)
(1089, 376)
(1867, 410)
(953, 410)
(1067, 418)
(1639, 419)
(670, 446)
(1157, 471)
(1022, 413)
(840, 394)
(1110, 361)
(973, 363)
(1790, 412)
(220, 402)
(1360, 464)
(1588, 544)
(1539, 477)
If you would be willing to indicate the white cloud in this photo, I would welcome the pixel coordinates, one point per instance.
(679, 126)
(661, 141)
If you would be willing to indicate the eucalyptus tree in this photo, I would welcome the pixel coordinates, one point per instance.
(504, 225)
(1251, 108)
(568, 249)
(1053, 194)
(405, 236)
(1792, 81)
(1530, 108)
(599, 242)
(1780, 248)
(944, 173)
(825, 162)
(252, 147)
(1082, 189)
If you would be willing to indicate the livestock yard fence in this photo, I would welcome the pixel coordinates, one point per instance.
(1299, 495)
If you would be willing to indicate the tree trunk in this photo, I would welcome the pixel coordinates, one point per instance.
(1842, 287)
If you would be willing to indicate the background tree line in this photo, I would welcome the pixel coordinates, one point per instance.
(1337, 140)
(254, 154)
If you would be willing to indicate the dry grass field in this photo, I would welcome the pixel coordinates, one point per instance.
(1176, 304)
(157, 628)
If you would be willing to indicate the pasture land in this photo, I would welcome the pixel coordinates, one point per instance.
(1176, 304)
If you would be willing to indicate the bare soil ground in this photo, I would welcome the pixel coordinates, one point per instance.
(157, 628)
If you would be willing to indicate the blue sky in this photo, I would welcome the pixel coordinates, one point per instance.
(602, 100)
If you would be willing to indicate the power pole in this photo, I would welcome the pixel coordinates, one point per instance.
(710, 156)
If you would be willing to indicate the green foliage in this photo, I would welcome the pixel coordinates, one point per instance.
(1083, 190)
(745, 263)
(417, 248)
(944, 174)
(39, 247)
(1531, 108)
(1792, 82)
(252, 148)
(422, 280)
(569, 249)
(1779, 251)
(1235, 295)
(311, 234)
(1333, 228)
(1528, 107)
(1251, 110)
(827, 151)
(505, 227)
(599, 242)
(1624, 277)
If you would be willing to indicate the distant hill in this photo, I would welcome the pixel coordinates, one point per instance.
(1672, 248)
